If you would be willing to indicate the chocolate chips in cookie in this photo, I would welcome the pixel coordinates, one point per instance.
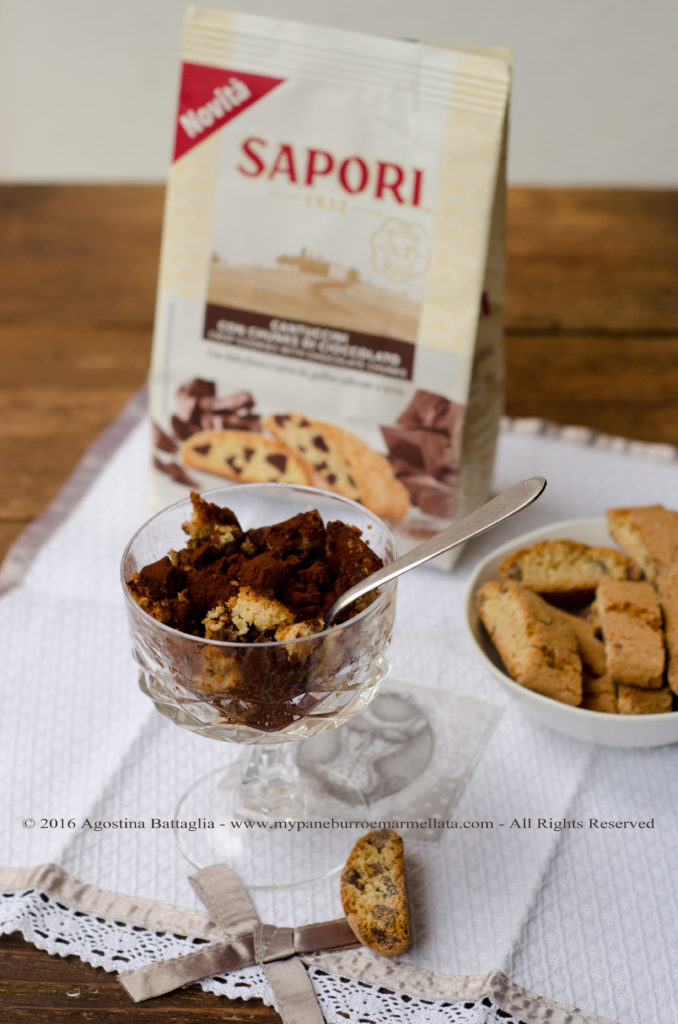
(374, 894)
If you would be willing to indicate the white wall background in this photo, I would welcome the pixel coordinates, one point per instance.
(88, 87)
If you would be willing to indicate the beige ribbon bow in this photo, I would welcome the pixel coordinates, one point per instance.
(246, 941)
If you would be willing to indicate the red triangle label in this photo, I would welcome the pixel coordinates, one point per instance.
(211, 97)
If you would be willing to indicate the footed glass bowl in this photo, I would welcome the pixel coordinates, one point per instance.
(265, 694)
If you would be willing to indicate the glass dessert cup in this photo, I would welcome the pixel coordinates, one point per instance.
(265, 696)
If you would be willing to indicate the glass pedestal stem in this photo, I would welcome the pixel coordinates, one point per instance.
(268, 784)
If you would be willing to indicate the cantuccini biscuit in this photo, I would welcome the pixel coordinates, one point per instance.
(600, 693)
(380, 491)
(650, 535)
(634, 610)
(631, 700)
(591, 649)
(243, 456)
(631, 620)
(667, 586)
(316, 444)
(565, 570)
(373, 892)
(590, 614)
(537, 645)
(340, 461)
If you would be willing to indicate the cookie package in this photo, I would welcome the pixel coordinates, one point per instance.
(331, 287)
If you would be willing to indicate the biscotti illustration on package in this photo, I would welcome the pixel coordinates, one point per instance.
(331, 283)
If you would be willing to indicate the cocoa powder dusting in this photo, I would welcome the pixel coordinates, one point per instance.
(247, 580)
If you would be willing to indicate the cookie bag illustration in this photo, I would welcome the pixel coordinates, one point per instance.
(331, 283)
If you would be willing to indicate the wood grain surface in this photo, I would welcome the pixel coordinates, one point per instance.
(591, 338)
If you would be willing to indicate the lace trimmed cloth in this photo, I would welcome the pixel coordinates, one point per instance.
(120, 945)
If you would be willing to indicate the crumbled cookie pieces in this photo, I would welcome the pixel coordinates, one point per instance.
(269, 583)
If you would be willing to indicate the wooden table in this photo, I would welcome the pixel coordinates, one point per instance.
(592, 339)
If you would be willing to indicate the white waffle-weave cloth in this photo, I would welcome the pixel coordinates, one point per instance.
(583, 918)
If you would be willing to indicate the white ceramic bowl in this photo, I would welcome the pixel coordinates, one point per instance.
(592, 726)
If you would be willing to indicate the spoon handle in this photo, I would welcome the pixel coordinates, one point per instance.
(493, 512)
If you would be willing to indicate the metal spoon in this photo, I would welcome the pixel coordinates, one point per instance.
(493, 512)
